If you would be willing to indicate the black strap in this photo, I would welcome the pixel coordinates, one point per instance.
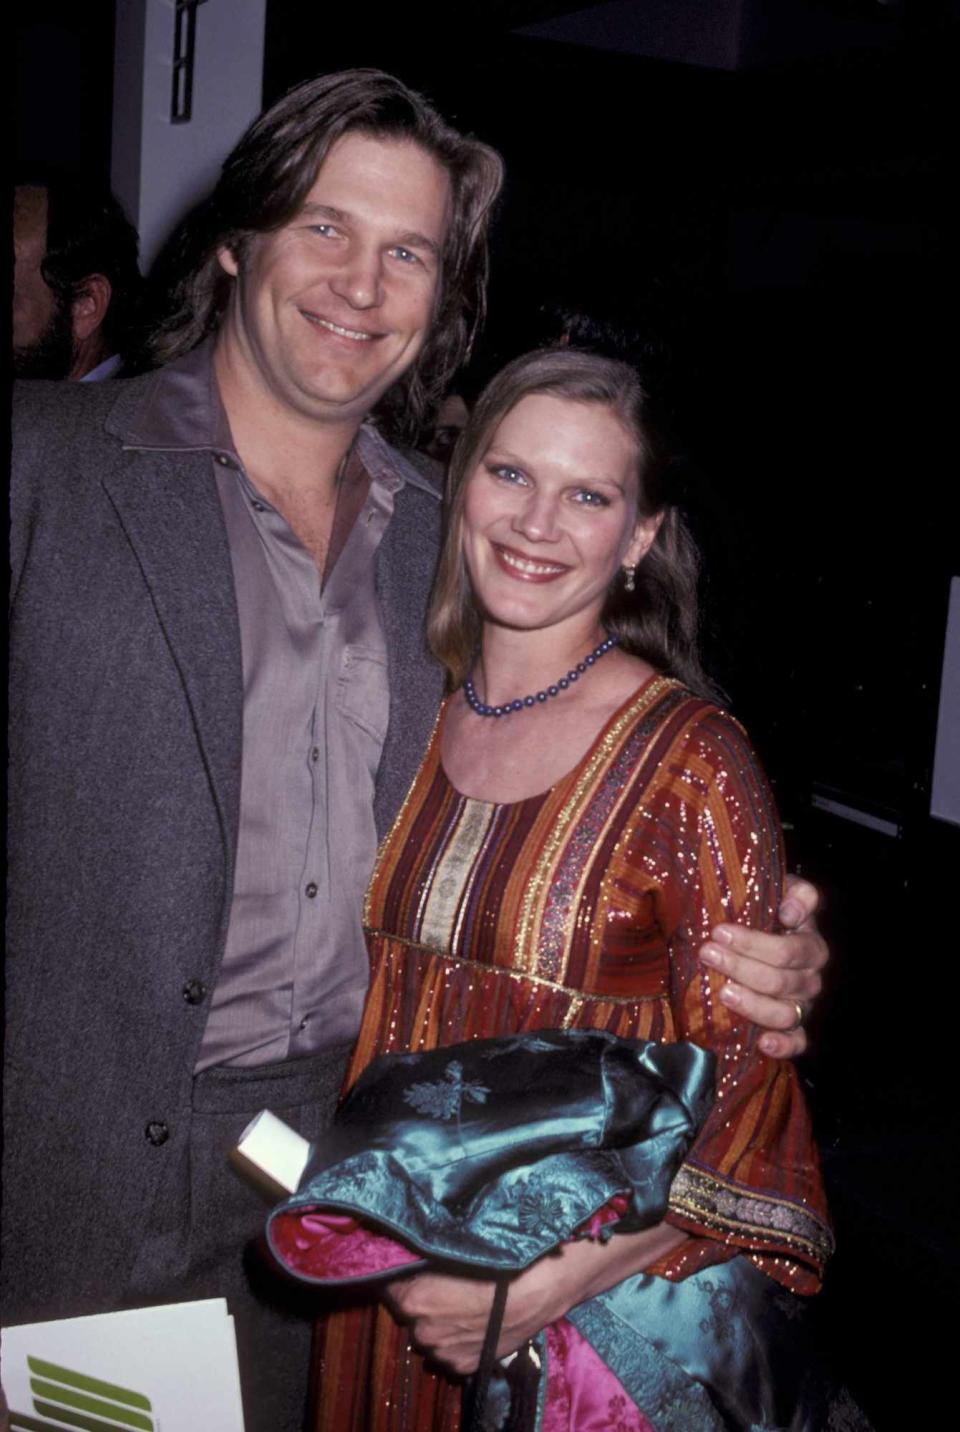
(488, 1356)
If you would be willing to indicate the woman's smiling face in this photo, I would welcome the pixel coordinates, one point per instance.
(550, 513)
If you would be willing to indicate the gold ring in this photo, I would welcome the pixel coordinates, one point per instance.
(799, 1019)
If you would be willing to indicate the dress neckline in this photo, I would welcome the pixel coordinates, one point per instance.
(639, 696)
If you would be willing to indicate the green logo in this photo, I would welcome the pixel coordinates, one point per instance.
(63, 1398)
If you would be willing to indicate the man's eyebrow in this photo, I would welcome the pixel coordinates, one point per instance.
(326, 211)
(413, 240)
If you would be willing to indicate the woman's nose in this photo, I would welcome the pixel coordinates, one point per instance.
(537, 518)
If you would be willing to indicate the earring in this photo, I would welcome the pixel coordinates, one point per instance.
(629, 578)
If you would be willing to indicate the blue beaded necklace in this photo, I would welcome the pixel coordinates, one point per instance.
(524, 702)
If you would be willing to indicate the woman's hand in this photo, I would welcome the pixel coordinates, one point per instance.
(449, 1315)
(773, 980)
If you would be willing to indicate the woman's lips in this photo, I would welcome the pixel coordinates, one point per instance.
(527, 569)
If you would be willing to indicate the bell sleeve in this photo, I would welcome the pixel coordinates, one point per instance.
(751, 1181)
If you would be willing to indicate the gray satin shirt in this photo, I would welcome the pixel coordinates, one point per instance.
(315, 710)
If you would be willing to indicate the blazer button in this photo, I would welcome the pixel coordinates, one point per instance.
(194, 991)
(157, 1133)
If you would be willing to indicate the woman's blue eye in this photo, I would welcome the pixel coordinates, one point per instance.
(405, 256)
(587, 498)
(509, 474)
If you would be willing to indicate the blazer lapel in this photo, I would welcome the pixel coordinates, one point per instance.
(168, 507)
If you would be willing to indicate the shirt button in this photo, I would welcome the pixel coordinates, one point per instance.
(305, 1021)
(194, 991)
(257, 506)
(311, 890)
(315, 754)
(223, 460)
(156, 1133)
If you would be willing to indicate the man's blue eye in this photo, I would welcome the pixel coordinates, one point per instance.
(592, 499)
(406, 256)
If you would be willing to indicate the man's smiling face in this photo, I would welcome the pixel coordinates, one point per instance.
(330, 310)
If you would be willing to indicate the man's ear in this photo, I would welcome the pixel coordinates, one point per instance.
(89, 308)
(228, 261)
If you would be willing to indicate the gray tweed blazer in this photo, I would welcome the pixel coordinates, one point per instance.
(124, 776)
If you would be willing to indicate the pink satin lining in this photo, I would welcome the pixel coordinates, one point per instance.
(582, 1394)
(334, 1246)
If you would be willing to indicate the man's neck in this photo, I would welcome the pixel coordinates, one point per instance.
(284, 453)
(87, 355)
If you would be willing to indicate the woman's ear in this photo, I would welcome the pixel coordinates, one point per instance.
(642, 540)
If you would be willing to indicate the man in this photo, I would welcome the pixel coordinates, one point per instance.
(76, 280)
(219, 694)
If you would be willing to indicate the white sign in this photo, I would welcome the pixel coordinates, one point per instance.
(168, 1369)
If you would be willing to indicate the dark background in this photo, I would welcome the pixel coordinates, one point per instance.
(770, 205)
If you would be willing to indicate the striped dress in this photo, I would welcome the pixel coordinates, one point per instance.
(584, 907)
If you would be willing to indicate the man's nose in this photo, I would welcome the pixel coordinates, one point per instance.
(360, 279)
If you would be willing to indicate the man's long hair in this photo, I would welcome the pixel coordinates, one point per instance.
(265, 181)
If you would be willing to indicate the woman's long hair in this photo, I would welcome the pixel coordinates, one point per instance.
(264, 183)
(659, 619)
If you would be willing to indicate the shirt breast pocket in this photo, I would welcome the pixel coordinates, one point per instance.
(363, 692)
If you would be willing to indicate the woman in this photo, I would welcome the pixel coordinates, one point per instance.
(584, 815)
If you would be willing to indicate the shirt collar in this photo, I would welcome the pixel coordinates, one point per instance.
(106, 369)
(181, 411)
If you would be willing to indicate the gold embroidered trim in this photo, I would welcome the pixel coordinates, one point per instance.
(729, 1208)
(525, 946)
(575, 994)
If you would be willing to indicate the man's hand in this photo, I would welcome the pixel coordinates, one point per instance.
(773, 979)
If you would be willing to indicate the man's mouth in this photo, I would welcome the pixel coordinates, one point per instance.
(528, 567)
(356, 334)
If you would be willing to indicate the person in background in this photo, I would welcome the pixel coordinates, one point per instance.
(76, 279)
(449, 423)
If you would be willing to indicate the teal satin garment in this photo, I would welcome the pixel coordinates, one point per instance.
(489, 1154)
(486, 1155)
(724, 1348)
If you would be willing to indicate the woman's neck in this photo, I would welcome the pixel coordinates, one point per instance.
(513, 663)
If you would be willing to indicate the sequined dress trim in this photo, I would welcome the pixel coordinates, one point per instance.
(712, 1202)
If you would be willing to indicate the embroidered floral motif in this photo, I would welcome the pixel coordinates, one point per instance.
(539, 1212)
(617, 1415)
(353, 1177)
(721, 1321)
(443, 1098)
